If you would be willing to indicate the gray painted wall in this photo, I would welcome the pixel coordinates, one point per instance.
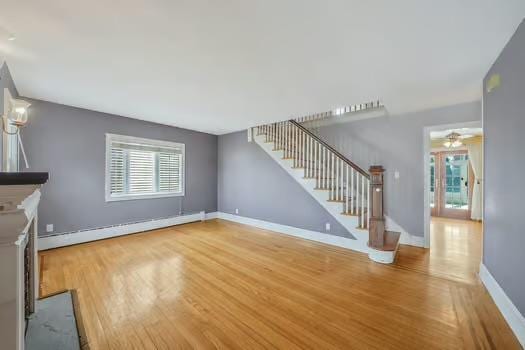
(6, 81)
(396, 143)
(250, 180)
(69, 143)
(504, 126)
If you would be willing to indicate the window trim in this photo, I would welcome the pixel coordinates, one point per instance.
(110, 138)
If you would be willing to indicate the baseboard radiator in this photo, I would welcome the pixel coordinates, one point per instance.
(88, 235)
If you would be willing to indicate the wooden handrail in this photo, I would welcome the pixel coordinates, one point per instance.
(331, 149)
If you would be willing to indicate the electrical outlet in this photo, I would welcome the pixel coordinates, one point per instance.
(396, 175)
(236, 211)
(327, 226)
(50, 228)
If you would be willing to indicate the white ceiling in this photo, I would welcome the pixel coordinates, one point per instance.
(221, 66)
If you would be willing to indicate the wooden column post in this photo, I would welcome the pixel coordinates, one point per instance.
(376, 238)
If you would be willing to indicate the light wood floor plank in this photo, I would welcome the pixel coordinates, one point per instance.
(222, 285)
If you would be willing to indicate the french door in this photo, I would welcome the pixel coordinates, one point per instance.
(450, 188)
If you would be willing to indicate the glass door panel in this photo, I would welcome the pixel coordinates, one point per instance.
(449, 187)
(456, 196)
(433, 197)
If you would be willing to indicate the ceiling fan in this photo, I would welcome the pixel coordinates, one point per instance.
(453, 140)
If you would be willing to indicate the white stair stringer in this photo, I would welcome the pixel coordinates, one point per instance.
(321, 196)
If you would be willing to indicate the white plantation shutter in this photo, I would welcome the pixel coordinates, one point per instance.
(141, 171)
(170, 169)
(118, 170)
(141, 168)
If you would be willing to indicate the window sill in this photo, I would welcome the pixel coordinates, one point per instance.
(142, 196)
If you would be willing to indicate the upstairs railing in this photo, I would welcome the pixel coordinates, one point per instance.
(345, 182)
(340, 111)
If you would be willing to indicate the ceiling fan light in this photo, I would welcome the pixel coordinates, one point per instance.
(457, 143)
(447, 144)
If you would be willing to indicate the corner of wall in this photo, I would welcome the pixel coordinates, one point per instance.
(406, 237)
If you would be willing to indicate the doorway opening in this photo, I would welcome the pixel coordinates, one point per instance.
(453, 197)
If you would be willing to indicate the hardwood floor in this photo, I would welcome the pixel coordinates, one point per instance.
(219, 284)
(455, 250)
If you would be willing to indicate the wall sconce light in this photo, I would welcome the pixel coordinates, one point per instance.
(14, 117)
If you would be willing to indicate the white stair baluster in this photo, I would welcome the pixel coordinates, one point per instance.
(294, 140)
(357, 194)
(282, 137)
(288, 140)
(303, 153)
(352, 194)
(312, 150)
(306, 154)
(321, 167)
(338, 175)
(307, 149)
(289, 137)
(285, 139)
(347, 188)
(281, 146)
(294, 143)
(326, 169)
(300, 148)
(332, 176)
(316, 164)
(342, 180)
(328, 173)
(311, 155)
(278, 135)
(362, 200)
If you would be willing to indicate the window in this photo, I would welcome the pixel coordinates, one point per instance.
(142, 168)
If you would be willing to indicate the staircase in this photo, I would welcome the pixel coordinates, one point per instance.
(350, 194)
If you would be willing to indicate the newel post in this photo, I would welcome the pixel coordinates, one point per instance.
(377, 220)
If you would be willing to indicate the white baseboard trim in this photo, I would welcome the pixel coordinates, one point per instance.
(213, 215)
(62, 240)
(406, 238)
(514, 318)
(298, 232)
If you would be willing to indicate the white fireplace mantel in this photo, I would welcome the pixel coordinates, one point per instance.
(18, 230)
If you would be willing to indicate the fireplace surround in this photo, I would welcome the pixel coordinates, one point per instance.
(19, 199)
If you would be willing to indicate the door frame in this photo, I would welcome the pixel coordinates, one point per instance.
(440, 209)
(426, 168)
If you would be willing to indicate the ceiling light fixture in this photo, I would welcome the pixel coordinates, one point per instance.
(11, 38)
(453, 140)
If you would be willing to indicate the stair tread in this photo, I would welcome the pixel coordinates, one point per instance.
(337, 200)
(314, 177)
(356, 213)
